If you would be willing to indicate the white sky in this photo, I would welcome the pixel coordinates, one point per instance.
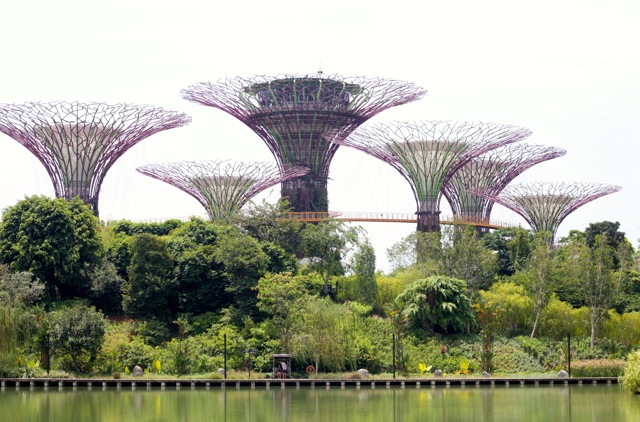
(567, 70)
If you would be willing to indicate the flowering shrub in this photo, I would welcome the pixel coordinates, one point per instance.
(597, 368)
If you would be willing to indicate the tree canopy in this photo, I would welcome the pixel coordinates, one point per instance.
(54, 239)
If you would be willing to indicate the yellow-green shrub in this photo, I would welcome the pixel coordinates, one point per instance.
(560, 318)
(516, 307)
(623, 329)
(631, 378)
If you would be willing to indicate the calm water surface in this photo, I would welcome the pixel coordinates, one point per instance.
(607, 403)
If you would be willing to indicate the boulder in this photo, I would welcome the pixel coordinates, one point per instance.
(563, 374)
(485, 374)
(363, 373)
(137, 371)
(221, 371)
(437, 373)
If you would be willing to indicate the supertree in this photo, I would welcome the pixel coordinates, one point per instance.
(222, 186)
(428, 153)
(298, 117)
(491, 172)
(78, 142)
(544, 205)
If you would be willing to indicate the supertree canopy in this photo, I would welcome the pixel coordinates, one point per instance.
(427, 153)
(78, 142)
(222, 186)
(545, 205)
(298, 117)
(492, 172)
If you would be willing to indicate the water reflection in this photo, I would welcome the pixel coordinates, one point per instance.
(495, 404)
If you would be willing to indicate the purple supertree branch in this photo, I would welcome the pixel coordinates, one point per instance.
(492, 172)
(222, 186)
(78, 142)
(545, 205)
(427, 153)
(368, 96)
(298, 117)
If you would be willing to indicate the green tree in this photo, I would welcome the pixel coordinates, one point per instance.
(592, 269)
(263, 223)
(22, 286)
(118, 251)
(500, 242)
(280, 261)
(76, 335)
(201, 280)
(466, 258)
(106, 288)
(282, 296)
(54, 239)
(200, 276)
(616, 240)
(326, 244)
(437, 303)
(538, 276)
(130, 228)
(520, 249)
(364, 268)
(244, 263)
(321, 335)
(419, 250)
(150, 290)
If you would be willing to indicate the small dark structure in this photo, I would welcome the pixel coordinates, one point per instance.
(278, 359)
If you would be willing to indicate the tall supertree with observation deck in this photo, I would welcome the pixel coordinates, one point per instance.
(299, 117)
(491, 172)
(78, 142)
(222, 186)
(428, 153)
(544, 205)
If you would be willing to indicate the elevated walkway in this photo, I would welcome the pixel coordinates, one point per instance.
(380, 217)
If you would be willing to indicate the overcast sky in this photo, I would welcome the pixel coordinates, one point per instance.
(567, 70)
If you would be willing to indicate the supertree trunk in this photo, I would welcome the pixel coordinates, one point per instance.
(428, 216)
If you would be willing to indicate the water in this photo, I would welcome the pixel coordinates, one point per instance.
(606, 403)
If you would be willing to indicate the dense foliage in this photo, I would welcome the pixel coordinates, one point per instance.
(86, 298)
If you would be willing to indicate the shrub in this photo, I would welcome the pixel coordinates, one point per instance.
(116, 339)
(549, 353)
(631, 378)
(597, 368)
(138, 353)
(623, 329)
(76, 335)
(509, 358)
(516, 307)
(449, 357)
